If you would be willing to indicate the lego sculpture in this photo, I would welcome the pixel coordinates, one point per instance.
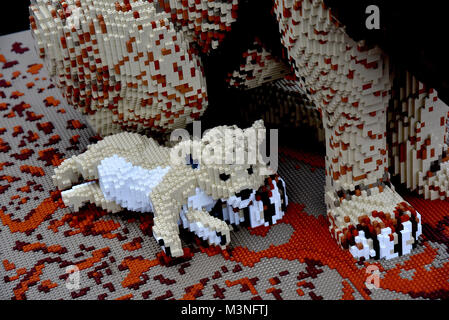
(189, 185)
(134, 65)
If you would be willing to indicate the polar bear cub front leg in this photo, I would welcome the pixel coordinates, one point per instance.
(208, 228)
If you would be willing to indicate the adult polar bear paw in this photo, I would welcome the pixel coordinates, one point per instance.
(378, 225)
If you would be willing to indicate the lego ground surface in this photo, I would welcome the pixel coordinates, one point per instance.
(116, 254)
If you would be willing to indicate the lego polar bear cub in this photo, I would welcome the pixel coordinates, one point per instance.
(131, 171)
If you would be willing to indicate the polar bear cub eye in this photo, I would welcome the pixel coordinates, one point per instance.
(225, 176)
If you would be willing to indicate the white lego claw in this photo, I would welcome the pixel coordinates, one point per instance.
(407, 237)
(386, 244)
(366, 251)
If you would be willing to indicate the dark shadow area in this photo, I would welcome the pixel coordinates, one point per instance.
(14, 16)
(413, 33)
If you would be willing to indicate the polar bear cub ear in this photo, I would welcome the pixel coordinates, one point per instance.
(180, 152)
(187, 153)
(258, 124)
(257, 133)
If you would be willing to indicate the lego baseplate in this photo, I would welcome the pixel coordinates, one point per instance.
(116, 253)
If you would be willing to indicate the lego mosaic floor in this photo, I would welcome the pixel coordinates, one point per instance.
(117, 255)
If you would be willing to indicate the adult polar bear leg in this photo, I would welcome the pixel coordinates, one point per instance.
(417, 134)
(350, 84)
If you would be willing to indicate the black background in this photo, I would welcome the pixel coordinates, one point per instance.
(414, 33)
(14, 16)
